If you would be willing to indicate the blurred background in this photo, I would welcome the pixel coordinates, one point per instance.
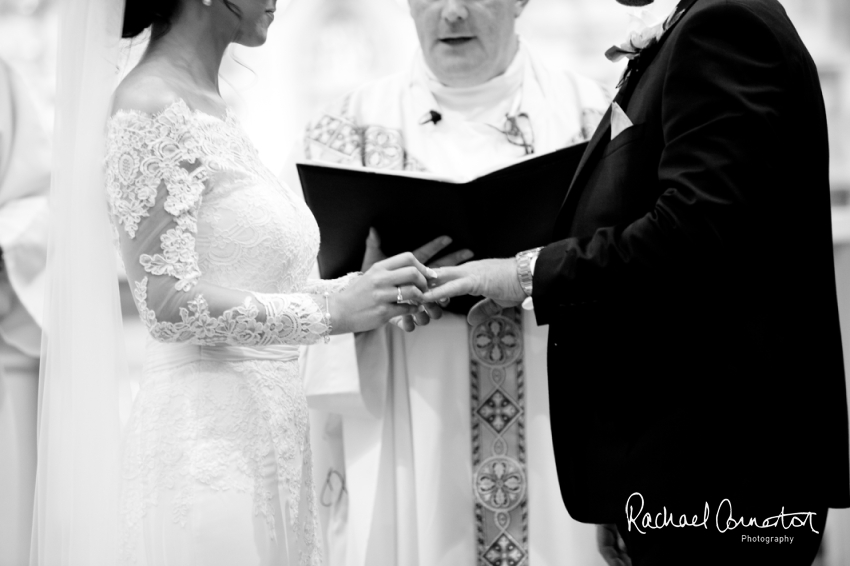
(319, 49)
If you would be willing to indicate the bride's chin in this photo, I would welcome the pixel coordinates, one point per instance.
(253, 41)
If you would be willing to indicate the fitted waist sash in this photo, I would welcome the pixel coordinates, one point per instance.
(161, 355)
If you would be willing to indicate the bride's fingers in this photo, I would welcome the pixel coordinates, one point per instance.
(406, 259)
(405, 276)
(409, 295)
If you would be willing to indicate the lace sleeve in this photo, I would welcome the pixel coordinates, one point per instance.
(332, 286)
(156, 175)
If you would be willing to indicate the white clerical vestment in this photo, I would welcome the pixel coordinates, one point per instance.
(435, 447)
(24, 181)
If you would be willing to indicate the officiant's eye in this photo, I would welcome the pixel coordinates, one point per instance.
(518, 131)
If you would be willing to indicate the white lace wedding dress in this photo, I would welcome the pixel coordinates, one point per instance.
(216, 462)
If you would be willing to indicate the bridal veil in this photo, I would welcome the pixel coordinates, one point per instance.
(84, 376)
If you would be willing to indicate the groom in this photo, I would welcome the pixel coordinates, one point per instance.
(695, 364)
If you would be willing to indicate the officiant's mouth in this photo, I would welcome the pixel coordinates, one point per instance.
(456, 41)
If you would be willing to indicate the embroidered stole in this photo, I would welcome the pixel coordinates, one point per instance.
(499, 476)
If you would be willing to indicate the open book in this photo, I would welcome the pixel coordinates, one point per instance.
(495, 215)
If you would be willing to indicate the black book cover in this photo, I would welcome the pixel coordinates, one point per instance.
(495, 215)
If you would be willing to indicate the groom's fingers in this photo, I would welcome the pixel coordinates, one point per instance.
(451, 289)
(482, 310)
(443, 275)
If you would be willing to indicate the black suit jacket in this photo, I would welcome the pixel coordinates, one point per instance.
(694, 345)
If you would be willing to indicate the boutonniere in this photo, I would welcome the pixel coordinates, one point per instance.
(640, 41)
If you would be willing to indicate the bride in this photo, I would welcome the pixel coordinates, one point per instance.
(216, 463)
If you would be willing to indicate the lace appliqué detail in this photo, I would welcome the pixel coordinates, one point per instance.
(143, 153)
(178, 258)
(215, 426)
(290, 319)
(130, 195)
(194, 204)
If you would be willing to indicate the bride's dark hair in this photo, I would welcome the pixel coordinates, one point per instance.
(139, 15)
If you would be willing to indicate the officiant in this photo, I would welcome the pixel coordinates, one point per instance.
(24, 182)
(447, 453)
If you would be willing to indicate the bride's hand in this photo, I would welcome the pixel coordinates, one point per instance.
(424, 254)
(371, 300)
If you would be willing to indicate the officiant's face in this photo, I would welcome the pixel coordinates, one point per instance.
(467, 42)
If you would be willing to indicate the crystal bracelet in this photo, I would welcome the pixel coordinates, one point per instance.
(327, 317)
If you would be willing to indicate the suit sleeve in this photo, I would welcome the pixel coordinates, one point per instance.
(721, 100)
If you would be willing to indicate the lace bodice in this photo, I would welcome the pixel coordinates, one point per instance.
(217, 250)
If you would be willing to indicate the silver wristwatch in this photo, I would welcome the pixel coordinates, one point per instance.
(523, 268)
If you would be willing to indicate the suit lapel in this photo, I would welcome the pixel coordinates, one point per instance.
(622, 98)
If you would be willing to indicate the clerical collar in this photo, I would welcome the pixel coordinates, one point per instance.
(652, 14)
(486, 102)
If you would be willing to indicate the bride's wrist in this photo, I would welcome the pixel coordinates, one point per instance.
(336, 312)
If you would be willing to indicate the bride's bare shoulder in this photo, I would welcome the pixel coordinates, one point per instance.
(144, 92)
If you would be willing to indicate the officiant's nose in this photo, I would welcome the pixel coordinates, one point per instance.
(454, 11)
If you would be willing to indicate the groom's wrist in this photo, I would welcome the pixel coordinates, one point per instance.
(525, 263)
(524, 269)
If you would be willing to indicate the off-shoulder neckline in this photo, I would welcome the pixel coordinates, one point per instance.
(228, 113)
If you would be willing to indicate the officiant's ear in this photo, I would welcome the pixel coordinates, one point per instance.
(519, 6)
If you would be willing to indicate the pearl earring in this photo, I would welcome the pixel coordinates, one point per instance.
(206, 2)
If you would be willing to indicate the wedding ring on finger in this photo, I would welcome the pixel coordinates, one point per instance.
(401, 300)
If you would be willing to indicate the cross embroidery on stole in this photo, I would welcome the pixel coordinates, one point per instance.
(498, 440)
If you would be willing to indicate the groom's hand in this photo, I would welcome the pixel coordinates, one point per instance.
(492, 278)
